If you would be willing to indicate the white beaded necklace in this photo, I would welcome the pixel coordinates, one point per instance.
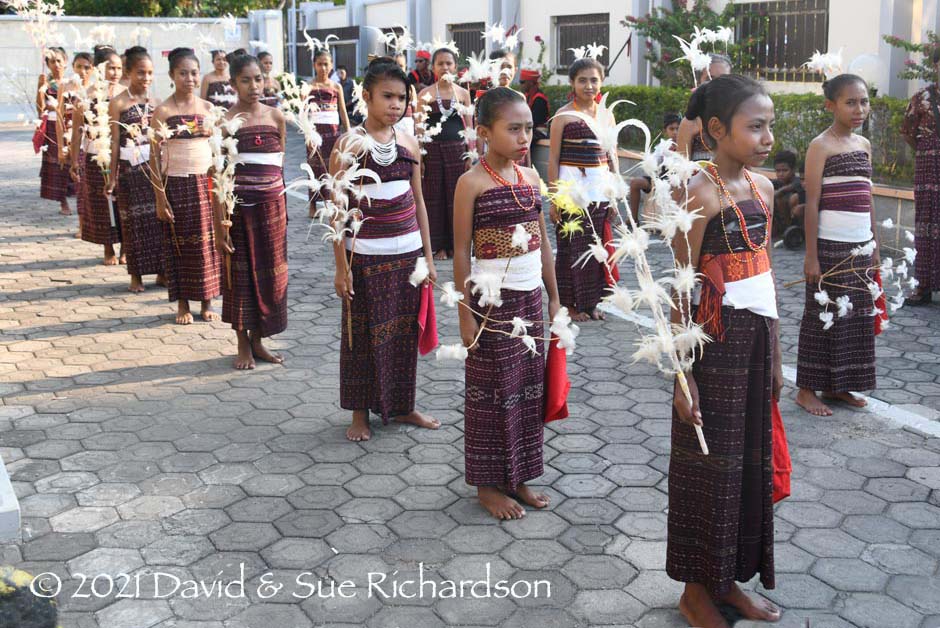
(384, 154)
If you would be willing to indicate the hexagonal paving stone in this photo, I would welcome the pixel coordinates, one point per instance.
(927, 476)
(639, 499)
(809, 515)
(655, 589)
(536, 554)
(854, 502)
(196, 522)
(106, 560)
(177, 550)
(897, 490)
(588, 511)
(244, 536)
(308, 523)
(650, 526)
(801, 591)
(174, 484)
(471, 539)
(368, 510)
(920, 594)
(869, 609)
(272, 485)
(485, 612)
(375, 485)
(328, 474)
(295, 553)
(790, 558)
(426, 498)
(849, 574)
(130, 534)
(317, 497)
(583, 485)
(150, 507)
(876, 529)
(828, 543)
(619, 453)
(633, 475)
(83, 519)
(900, 559)
(362, 538)
(599, 572)
(429, 474)
(267, 615)
(396, 617)
(422, 524)
(138, 613)
(537, 524)
(606, 607)
(258, 509)
(108, 494)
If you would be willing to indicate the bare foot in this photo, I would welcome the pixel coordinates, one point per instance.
(808, 400)
(207, 314)
(245, 360)
(419, 419)
(64, 209)
(698, 608)
(110, 259)
(183, 315)
(499, 504)
(123, 258)
(597, 315)
(78, 234)
(359, 430)
(260, 352)
(754, 609)
(846, 397)
(160, 281)
(531, 498)
(579, 316)
(137, 284)
(442, 254)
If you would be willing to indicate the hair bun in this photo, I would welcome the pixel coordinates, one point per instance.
(697, 102)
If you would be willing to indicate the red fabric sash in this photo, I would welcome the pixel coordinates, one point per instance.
(39, 135)
(882, 304)
(781, 455)
(427, 321)
(612, 272)
(717, 269)
(557, 383)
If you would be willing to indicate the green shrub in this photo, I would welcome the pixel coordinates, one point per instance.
(799, 118)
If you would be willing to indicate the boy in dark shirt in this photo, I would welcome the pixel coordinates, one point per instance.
(789, 195)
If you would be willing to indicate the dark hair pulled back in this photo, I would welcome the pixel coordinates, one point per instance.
(493, 101)
(834, 86)
(721, 98)
(177, 55)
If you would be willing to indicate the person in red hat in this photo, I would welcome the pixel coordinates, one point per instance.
(538, 102)
(421, 76)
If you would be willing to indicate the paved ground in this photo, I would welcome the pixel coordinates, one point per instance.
(134, 448)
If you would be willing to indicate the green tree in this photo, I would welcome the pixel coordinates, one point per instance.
(922, 69)
(661, 26)
(168, 8)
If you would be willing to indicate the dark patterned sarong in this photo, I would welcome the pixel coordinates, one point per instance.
(193, 268)
(55, 184)
(378, 372)
(841, 358)
(720, 526)
(927, 212)
(443, 166)
(581, 288)
(96, 219)
(257, 299)
(141, 232)
(503, 427)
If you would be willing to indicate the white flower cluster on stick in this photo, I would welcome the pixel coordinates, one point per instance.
(692, 50)
(98, 122)
(672, 348)
(38, 22)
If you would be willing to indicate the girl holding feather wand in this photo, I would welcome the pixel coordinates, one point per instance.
(720, 526)
(327, 109)
(181, 185)
(379, 230)
(251, 217)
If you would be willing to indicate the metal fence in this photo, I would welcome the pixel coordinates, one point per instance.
(794, 30)
(573, 31)
(468, 37)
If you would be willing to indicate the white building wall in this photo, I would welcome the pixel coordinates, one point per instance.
(332, 18)
(386, 14)
(447, 12)
(537, 20)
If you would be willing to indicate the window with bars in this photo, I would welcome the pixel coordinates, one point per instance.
(794, 29)
(574, 31)
(468, 37)
(390, 50)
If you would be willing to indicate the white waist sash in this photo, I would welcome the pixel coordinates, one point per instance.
(394, 245)
(757, 294)
(594, 180)
(136, 154)
(52, 115)
(265, 159)
(524, 273)
(325, 117)
(841, 226)
(387, 190)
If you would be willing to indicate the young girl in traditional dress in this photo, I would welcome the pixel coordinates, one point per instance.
(54, 179)
(130, 113)
(444, 162)
(720, 527)
(272, 89)
(504, 378)
(330, 120)
(100, 224)
(216, 86)
(193, 269)
(378, 360)
(71, 95)
(839, 358)
(254, 294)
(576, 156)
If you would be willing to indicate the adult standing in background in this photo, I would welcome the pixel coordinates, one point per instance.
(421, 76)
(921, 130)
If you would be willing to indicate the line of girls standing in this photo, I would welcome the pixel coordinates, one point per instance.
(154, 195)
